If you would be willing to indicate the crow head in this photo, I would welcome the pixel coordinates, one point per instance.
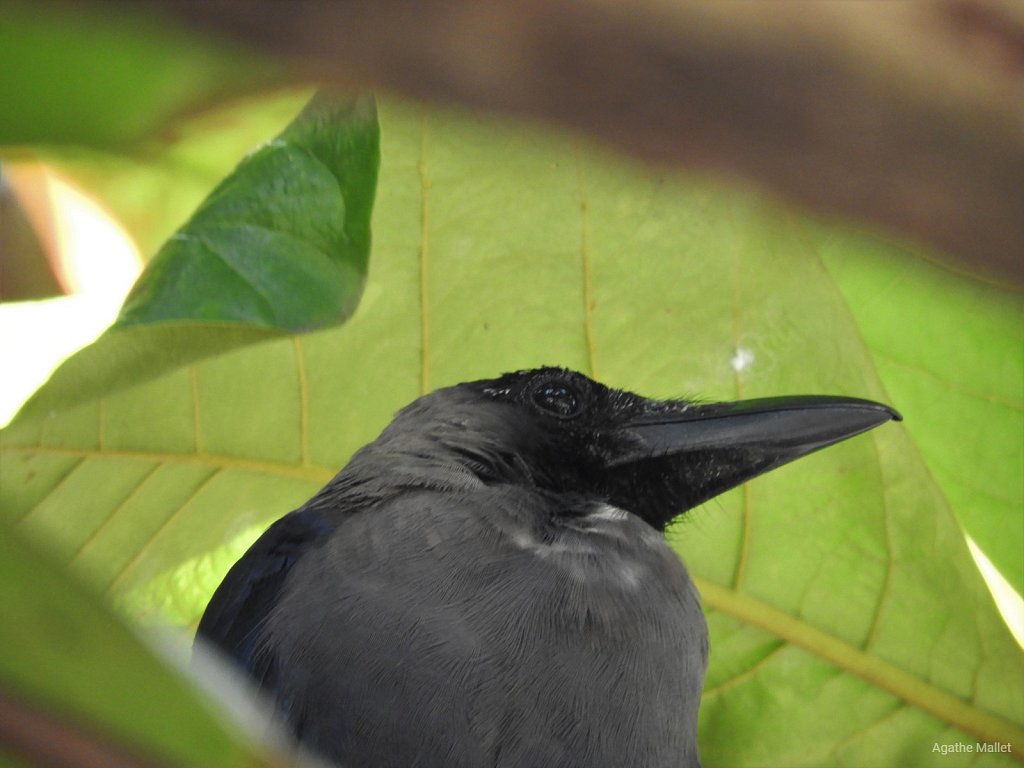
(563, 433)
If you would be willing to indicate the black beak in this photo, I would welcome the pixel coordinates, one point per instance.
(699, 451)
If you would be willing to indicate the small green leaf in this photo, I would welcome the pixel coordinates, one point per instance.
(283, 242)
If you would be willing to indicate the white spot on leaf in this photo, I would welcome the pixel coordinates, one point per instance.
(742, 359)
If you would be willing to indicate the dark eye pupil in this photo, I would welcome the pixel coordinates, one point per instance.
(556, 398)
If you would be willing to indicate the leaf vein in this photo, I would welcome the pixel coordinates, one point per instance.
(861, 732)
(119, 576)
(586, 266)
(312, 472)
(1016, 405)
(268, 303)
(876, 619)
(197, 429)
(56, 486)
(424, 256)
(101, 422)
(747, 511)
(303, 382)
(113, 513)
(746, 674)
(981, 724)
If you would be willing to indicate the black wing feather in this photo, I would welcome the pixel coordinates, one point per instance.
(251, 589)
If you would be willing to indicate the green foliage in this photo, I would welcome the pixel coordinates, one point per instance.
(951, 350)
(849, 624)
(67, 653)
(77, 75)
(283, 242)
(153, 186)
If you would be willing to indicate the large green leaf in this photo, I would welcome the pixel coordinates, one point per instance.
(849, 624)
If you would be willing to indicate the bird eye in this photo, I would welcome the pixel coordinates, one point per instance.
(557, 399)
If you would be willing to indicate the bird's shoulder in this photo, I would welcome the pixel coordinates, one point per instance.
(252, 585)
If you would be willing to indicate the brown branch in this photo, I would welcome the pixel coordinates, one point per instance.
(908, 115)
